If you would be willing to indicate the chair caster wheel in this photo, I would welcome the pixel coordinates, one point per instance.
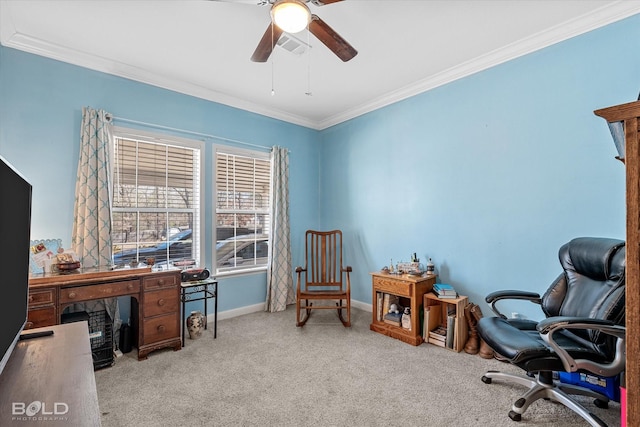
(601, 404)
(486, 380)
(515, 416)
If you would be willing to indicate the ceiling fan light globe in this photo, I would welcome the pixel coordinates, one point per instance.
(291, 16)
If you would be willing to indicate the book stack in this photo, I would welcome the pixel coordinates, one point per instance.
(438, 336)
(444, 290)
(393, 319)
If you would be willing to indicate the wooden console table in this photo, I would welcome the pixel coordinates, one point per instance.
(155, 302)
(410, 290)
(49, 381)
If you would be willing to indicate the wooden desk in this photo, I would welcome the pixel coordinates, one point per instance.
(155, 302)
(410, 290)
(54, 373)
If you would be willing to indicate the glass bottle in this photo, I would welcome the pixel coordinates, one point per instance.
(431, 268)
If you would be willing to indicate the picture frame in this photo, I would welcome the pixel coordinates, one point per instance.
(42, 252)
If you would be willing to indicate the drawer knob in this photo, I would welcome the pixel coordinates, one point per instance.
(160, 282)
(30, 298)
(161, 302)
(161, 328)
(72, 295)
(130, 286)
(28, 325)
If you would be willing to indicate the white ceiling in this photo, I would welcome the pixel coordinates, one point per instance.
(202, 47)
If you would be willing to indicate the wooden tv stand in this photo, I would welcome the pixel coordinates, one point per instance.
(155, 303)
(55, 373)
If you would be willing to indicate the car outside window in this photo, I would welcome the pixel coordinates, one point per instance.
(156, 199)
(242, 216)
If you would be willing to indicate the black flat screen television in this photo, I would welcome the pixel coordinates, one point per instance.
(15, 231)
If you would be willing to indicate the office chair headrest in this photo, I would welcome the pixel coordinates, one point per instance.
(596, 257)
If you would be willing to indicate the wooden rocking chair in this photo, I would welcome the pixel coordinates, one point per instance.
(323, 274)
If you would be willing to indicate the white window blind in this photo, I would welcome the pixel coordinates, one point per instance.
(243, 226)
(156, 202)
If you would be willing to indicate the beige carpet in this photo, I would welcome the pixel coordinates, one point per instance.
(264, 371)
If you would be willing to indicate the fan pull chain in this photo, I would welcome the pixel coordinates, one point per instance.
(308, 92)
(273, 91)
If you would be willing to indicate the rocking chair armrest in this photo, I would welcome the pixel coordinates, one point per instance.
(347, 269)
(299, 271)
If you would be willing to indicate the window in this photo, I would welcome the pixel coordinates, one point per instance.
(243, 191)
(156, 200)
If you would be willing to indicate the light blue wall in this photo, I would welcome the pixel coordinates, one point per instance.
(488, 175)
(40, 112)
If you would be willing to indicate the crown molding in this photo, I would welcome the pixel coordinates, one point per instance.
(596, 19)
(53, 51)
(10, 37)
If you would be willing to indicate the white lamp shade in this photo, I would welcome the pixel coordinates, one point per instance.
(291, 16)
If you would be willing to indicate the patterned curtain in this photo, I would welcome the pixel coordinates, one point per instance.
(280, 291)
(91, 235)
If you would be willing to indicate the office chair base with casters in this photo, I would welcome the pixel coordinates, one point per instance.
(543, 386)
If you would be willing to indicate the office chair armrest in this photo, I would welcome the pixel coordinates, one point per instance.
(496, 296)
(567, 322)
(547, 327)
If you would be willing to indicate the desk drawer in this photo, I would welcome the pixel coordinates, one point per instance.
(160, 281)
(161, 328)
(41, 297)
(391, 286)
(104, 290)
(161, 302)
(41, 317)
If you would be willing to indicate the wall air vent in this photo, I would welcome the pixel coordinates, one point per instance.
(292, 44)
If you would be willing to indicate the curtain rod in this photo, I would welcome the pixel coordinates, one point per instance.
(188, 132)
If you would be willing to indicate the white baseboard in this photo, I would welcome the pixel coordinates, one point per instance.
(228, 314)
(362, 305)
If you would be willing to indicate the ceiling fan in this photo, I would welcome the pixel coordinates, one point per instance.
(292, 16)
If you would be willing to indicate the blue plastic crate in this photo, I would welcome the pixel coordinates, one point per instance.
(609, 386)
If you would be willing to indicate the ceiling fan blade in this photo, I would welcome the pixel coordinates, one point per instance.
(331, 39)
(323, 2)
(267, 43)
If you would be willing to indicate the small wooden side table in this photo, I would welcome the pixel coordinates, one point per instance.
(200, 290)
(410, 289)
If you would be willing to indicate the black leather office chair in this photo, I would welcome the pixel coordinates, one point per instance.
(583, 330)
